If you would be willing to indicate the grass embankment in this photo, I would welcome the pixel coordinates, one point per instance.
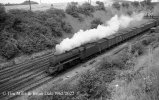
(127, 75)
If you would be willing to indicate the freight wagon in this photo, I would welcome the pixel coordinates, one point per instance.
(64, 60)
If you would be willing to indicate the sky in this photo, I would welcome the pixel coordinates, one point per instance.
(57, 1)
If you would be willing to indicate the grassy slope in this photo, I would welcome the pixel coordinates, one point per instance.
(144, 85)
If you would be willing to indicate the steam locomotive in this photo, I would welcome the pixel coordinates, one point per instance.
(61, 61)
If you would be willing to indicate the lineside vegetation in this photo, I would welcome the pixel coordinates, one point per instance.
(25, 32)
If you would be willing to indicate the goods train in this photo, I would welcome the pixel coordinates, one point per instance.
(64, 60)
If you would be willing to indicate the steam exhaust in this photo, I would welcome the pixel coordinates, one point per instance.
(102, 31)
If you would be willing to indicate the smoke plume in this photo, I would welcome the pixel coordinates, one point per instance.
(88, 36)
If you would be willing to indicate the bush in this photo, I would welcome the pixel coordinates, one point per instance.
(56, 13)
(86, 9)
(29, 46)
(5, 36)
(9, 50)
(96, 22)
(105, 64)
(129, 12)
(92, 86)
(125, 55)
(55, 26)
(100, 5)
(72, 9)
(126, 5)
(67, 27)
(148, 2)
(112, 62)
(137, 49)
(148, 41)
(23, 15)
(116, 5)
(135, 4)
(26, 46)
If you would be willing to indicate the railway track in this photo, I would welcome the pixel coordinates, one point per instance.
(24, 77)
(29, 62)
(27, 82)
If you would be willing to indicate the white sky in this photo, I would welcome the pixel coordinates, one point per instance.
(56, 1)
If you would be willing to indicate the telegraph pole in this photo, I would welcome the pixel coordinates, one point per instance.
(89, 1)
(30, 5)
(140, 3)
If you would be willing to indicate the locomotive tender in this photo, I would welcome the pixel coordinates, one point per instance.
(58, 62)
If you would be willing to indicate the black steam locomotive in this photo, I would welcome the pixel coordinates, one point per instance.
(58, 62)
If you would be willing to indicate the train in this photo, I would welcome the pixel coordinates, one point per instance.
(80, 54)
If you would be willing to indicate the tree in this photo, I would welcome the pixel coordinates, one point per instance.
(135, 4)
(148, 2)
(26, 46)
(95, 23)
(9, 50)
(55, 26)
(66, 27)
(3, 14)
(126, 5)
(116, 5)
(86, 9)
(92, 86)
(129, 12)
(100, 5)
(72, 9)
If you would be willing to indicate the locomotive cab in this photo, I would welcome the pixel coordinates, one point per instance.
(61, 61)
(52, 66)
